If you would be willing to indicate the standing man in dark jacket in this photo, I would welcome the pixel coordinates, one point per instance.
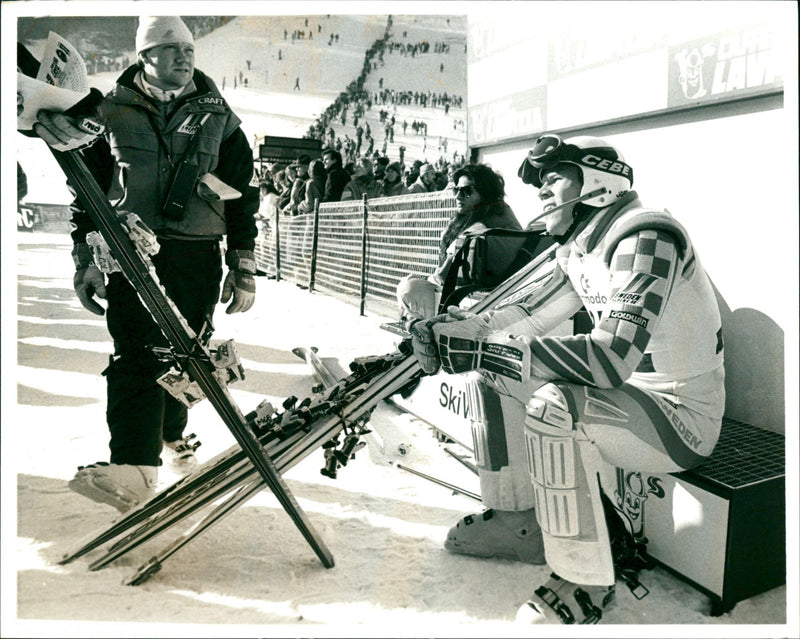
(337, 176)
(166, 125)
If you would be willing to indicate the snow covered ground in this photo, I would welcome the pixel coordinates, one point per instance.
(253, 574)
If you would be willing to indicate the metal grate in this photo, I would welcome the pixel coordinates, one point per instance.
(745, 454)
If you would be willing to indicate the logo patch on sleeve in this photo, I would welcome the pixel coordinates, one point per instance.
(627, 298)
(629, 317)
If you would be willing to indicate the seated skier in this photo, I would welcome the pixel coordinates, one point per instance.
(644, 390)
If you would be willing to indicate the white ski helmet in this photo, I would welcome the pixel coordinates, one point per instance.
(601, 164)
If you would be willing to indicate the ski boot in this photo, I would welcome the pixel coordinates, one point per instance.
(179, 454)
(562, 602)
(504, 534)
(123, 486)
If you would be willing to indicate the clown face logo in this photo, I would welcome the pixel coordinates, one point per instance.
(631, 495)
(690, 63)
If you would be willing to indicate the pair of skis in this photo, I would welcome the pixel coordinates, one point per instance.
(269, 442)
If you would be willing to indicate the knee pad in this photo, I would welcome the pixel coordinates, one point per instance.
(552, 460)
(563, 466)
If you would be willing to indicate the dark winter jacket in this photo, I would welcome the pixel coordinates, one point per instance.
(388, 190)
(497, 215)
(145, 139)
(360, 186)
(334, 185)
(315, 189)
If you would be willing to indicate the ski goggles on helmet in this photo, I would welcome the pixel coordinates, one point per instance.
(550, 150)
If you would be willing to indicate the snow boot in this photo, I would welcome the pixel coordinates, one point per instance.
(504, 534)
(123, 486)
(562, 602)
(179, 454)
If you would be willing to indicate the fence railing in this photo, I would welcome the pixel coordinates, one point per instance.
(357, 250)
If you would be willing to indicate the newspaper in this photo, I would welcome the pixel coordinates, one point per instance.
(60, 83)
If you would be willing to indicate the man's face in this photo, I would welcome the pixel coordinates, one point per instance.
(169, 66)
(302, 170)
(327, 161)
(559, 185)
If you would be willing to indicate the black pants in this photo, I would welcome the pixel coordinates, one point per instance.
(139, 412)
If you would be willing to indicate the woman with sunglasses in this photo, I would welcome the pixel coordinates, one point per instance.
(479, 193)
(643, 391)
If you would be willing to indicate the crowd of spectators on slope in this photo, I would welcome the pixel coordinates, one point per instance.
(412, 49)
(424, 99)
(295, 188)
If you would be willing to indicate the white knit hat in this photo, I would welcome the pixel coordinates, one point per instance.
(155, 30)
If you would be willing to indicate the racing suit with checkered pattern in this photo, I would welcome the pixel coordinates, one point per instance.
(645, 387)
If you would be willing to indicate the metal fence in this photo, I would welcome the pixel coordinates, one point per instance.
(357, 250)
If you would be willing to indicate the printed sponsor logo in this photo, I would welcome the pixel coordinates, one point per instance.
(189, 129)
(594, 299)
(724, 64)
(211, 100)
(629, 317)
(627, 298)
(609, 166)
(456, 402)
(631, 494)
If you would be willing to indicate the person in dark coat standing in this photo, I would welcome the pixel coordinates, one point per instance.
(337, 177)
(165, 123)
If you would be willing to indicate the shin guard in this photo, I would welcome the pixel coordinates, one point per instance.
(564, 466)
(499, 448)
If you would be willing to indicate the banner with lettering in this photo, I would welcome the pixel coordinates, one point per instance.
(725, 66)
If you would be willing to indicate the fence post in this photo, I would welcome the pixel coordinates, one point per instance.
(277, 244)
(363, 256)
(314, 242)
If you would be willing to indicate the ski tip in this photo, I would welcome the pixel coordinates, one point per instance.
(302, 351)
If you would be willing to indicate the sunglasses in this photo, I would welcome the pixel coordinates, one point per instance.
(466, 190)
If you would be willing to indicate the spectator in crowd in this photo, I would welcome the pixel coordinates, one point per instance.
(363, 182)
(315, 187)
(298, 192)
(381, 163)
(337, 178)
(289, 177)
(426, 182)
(392, 183)
(481, 205)
(268, 198)
(451, 170)
(279, 179)
(147, 103)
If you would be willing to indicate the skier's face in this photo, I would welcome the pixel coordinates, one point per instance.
(559, 185)
(169, 66)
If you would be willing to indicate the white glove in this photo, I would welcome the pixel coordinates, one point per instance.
(416, 297)
(64, 133)
(88, 282)
(240, 282)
